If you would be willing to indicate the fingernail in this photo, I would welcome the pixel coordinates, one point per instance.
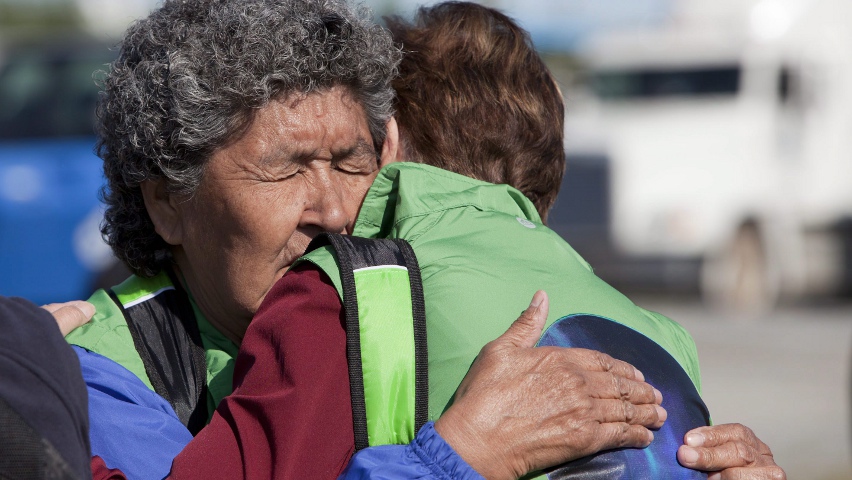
(689, 455)
(662, 413)
(537, 299)
(85, 307)
(650, 437)
(658, 396)
(638, 375)
(695, 439)
(715, 476)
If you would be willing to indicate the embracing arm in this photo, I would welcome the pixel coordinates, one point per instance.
(289, 415)
(553, 405)
(290, 412)
(469, 426)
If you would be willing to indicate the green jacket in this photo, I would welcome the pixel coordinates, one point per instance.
(483, 252)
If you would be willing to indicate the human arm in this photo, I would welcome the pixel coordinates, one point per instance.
(291, 402)
(289, 415)
(118, 421)
(40, 385)
(732, 451)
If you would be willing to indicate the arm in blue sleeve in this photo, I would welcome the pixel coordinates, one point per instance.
(131, 427)
(428, 456)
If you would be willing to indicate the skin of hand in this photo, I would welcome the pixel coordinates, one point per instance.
(732, 451)
(521, 409)
(70, 315)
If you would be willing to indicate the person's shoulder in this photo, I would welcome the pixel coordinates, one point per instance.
(324, 259)
(107, 318)
(407, 199)
(107, 334)
(679, 343)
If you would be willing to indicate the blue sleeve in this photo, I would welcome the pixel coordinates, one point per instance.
(427, 456)
(131, 427)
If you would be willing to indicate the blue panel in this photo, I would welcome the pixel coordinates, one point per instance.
(685, 408)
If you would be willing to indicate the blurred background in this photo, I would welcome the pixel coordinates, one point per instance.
(709, 147)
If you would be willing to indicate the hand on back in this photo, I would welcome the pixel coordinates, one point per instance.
(521, 409)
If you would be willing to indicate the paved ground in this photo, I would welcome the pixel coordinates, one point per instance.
(787, 376)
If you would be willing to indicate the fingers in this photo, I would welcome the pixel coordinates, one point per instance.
(70, 315)
(732, 454)
(526, 330)
(732, 450)
(618, 435)
(601, 362)
(773, 472)
(52, 307)
(621, 411)
(720, 434)
(608, 385)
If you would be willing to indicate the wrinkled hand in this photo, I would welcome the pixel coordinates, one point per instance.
(70, 315)
(732, 451)
(521, 409)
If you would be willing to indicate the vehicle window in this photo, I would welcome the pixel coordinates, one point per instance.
(49, 95)
(657, 83)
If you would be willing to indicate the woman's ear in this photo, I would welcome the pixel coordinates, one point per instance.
(163, 210)
(390, 150)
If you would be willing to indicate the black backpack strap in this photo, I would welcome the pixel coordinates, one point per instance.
(166, 336)
(356, 254)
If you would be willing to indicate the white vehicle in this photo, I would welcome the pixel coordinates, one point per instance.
(730, 142)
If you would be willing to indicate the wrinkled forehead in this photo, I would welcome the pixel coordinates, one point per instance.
(341, 100)
(345, 94)
(297, 128)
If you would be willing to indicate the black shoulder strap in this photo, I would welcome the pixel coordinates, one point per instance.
(165, 333)
(356, 253)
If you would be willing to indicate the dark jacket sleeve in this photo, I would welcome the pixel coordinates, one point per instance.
(41, 382)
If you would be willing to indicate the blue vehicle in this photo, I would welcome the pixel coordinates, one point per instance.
(50, 246)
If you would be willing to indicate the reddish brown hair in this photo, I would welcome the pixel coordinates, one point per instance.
(474, 97)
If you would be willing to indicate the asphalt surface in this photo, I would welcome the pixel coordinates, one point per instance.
(785, 374)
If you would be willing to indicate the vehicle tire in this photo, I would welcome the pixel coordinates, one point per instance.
(740, 278)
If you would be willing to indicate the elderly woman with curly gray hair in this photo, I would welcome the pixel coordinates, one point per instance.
(232, 133)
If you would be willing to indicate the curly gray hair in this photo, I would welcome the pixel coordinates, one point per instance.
(190, 77)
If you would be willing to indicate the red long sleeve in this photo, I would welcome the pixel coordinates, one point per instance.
(290, 414)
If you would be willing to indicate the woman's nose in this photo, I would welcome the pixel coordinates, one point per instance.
(326, 209)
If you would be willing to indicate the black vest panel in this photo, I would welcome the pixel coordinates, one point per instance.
(166, 336)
